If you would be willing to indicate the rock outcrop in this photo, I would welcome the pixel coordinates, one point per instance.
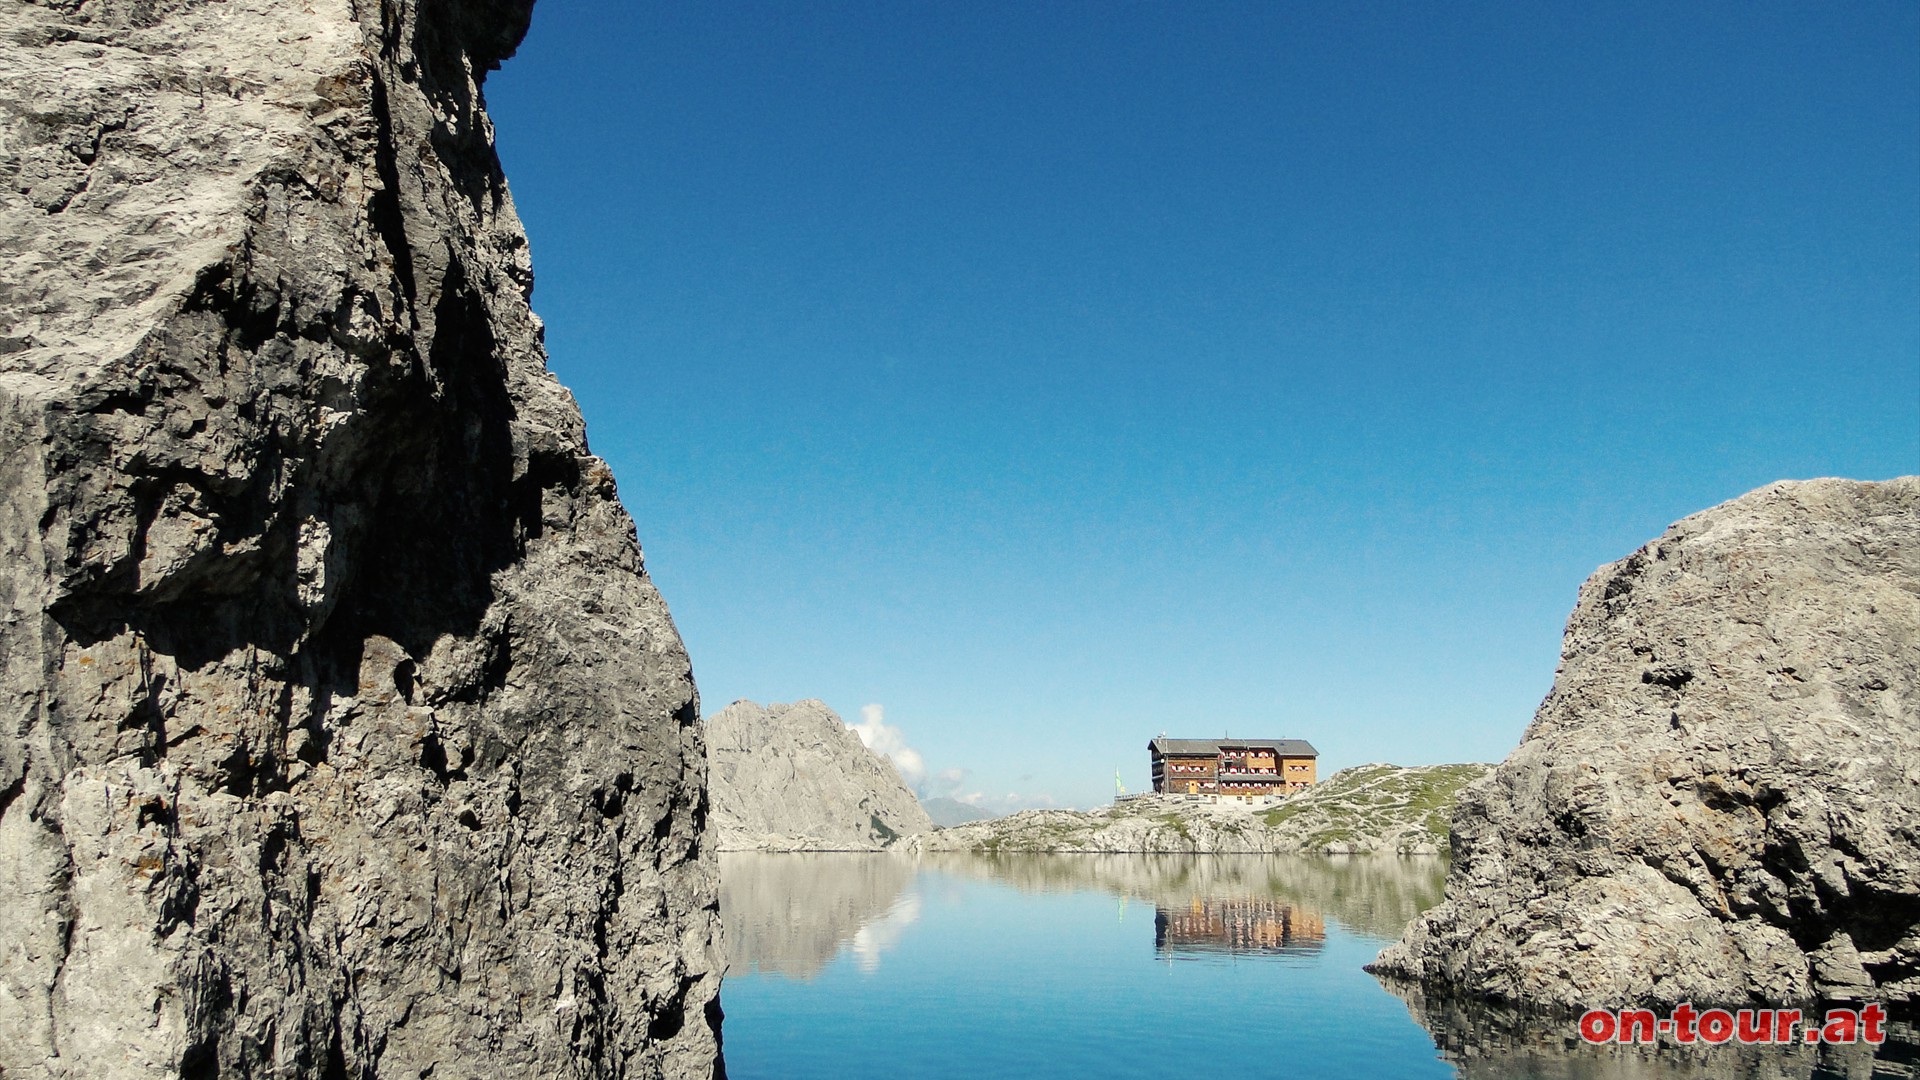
(341, 732)
(1719, 800)
(797, 778)
(1362, 810)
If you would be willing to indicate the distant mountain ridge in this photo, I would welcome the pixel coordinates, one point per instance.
(797, 778)
(947, 813)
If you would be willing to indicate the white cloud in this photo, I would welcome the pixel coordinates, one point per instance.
(884, 739)
(1011, 802)
(946, 782)
(879, 935)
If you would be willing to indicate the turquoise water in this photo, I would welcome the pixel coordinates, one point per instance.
(1121, 966)
(1106, 967)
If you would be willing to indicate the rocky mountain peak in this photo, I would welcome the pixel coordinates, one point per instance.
(796, 777)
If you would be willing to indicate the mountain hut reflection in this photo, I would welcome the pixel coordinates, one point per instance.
(1212, 927)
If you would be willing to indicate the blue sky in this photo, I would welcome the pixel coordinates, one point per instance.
(1055, 375)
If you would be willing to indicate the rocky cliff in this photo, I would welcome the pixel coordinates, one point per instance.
(797, 778)
(341, 732)
(1366, 809)
(1719, 800)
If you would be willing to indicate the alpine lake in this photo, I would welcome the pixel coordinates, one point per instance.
(881, 966)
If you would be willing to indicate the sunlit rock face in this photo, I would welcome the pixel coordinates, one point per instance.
(797, 778)
(1719, 800)
(343, 734)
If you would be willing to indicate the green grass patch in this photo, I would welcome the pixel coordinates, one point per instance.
(1280, 814)
(1334, 835)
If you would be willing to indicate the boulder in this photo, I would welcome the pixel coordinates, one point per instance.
(1719, 799)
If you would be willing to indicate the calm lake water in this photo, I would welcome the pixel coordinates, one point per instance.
(1121, 966)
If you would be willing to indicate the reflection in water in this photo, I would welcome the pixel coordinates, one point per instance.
(791, 914)
(1374, 895)
(958, 967)
(1242, 925)
(883, 933)
(1488, 1043)
(1007, 964)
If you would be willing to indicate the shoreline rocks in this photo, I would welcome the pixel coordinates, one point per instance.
(1719, 800)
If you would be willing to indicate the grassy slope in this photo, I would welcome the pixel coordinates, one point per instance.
(1376, 801)
(1383, 808)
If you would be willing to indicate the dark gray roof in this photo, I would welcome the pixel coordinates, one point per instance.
(1182, 747)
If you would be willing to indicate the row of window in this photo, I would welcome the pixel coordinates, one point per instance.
(1175, 766)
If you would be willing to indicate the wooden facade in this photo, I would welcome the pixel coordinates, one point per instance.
(1234, 767)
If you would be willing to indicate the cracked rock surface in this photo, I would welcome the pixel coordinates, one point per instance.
(342, 733)
(797, 778)
(1719, 800)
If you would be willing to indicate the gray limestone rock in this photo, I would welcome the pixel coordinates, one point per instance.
(797, 778)
(1719, 800)
(342, 733)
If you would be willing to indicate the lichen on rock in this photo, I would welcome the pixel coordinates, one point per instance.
(342, 732)
(1719, 799)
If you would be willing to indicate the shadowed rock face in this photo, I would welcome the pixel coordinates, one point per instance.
(1719, 800)
(1488, 1042)
(342, 733)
